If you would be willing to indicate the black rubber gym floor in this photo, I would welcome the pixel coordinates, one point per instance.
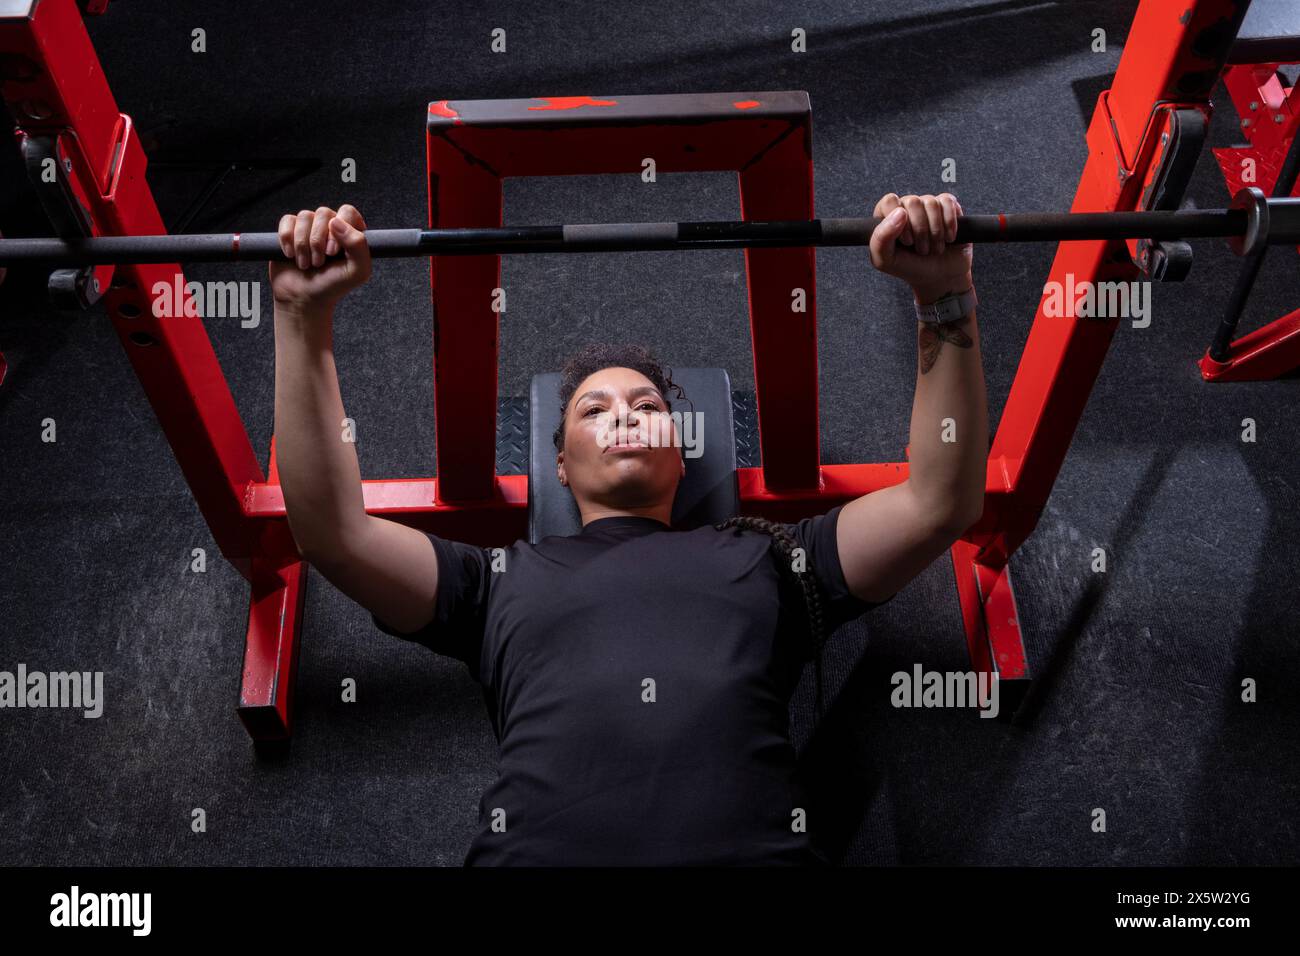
(1137, 708)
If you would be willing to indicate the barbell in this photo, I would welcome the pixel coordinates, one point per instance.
(1251, 221)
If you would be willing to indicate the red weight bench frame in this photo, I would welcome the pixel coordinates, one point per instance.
(1270, 119)
(475, 144)
(1172, 56)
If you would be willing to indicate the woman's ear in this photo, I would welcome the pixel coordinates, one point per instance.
(559, 468)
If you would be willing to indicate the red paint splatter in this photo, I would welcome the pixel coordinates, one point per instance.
(746, 104)
(570, 102)
(441, 108)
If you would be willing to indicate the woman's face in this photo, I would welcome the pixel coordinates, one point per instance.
(621, 447)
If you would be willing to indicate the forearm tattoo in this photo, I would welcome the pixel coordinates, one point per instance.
(934, 335)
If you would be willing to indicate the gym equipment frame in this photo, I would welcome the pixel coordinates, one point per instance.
(1145, 132)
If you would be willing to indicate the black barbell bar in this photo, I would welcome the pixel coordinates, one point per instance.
(1251, 221)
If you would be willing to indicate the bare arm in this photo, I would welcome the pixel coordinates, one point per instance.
(386, 567)
(888, 537)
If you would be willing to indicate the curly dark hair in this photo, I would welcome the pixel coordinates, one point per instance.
(594, 358)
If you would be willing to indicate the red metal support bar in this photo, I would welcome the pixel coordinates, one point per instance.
(56, 90)
(1270, 115)
(784, 342)
(272, 642)
(1266, 353)
(474, 144)
(54, 86)
(1174, 53)
(412, 501)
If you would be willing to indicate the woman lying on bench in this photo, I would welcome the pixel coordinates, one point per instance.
(638, 678)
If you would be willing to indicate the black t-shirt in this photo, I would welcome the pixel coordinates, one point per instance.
(638, 681)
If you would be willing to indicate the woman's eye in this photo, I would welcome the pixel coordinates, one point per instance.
(590, 409)
(650, 405)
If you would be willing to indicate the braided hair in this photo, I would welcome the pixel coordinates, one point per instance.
(783, 545)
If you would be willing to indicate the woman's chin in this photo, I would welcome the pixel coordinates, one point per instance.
(635, 478)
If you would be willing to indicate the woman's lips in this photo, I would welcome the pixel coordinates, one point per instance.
(629, 446)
